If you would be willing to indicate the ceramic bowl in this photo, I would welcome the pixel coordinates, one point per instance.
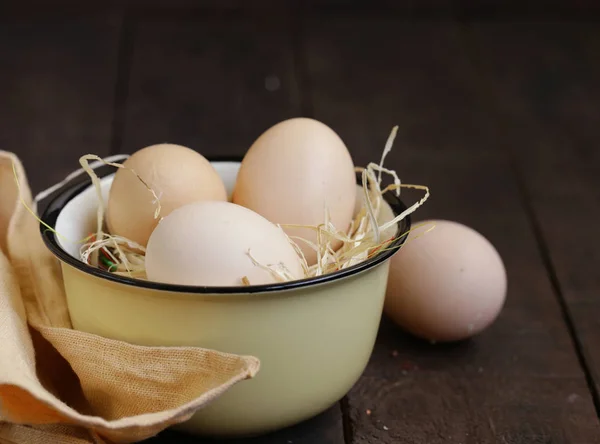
(313, 337)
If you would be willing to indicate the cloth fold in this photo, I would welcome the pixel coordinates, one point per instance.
(59, 385)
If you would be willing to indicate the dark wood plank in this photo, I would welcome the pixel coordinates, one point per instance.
(57, 86)
(425, 8)
(363, 89)
(61, 7)
(519, 381)
(544, 77)
(406, 8)
(214, 84)
(533, 8)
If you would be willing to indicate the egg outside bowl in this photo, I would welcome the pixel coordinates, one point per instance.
(313, 337)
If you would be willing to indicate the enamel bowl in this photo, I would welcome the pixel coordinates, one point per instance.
(313, 337)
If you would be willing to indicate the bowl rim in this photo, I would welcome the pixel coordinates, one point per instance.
(52, 211)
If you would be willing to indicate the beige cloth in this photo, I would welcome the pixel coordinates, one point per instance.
(59, 385)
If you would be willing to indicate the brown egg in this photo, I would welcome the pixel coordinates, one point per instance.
(446, 284)
(178, 175)
(292, 172)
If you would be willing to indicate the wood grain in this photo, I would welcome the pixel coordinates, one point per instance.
(518, 382)
(544, 78)
(411, 8)
(214, 84)
(501, 9)
(499, 119)
(57, 87)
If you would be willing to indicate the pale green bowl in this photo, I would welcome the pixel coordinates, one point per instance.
(313, 337)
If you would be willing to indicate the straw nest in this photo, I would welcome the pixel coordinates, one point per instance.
(360, 241)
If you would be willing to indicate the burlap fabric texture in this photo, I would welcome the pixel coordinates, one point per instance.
(59, 385)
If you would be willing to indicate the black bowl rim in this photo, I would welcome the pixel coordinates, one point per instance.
(69, 192)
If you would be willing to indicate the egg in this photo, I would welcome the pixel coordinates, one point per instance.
(292, 172)
(177, 174)
(206, 243)
(446, 284)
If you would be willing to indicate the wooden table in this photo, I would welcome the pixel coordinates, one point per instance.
(499, 116)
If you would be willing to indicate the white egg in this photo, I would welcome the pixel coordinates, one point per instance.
(206, 243)
(446, 284)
